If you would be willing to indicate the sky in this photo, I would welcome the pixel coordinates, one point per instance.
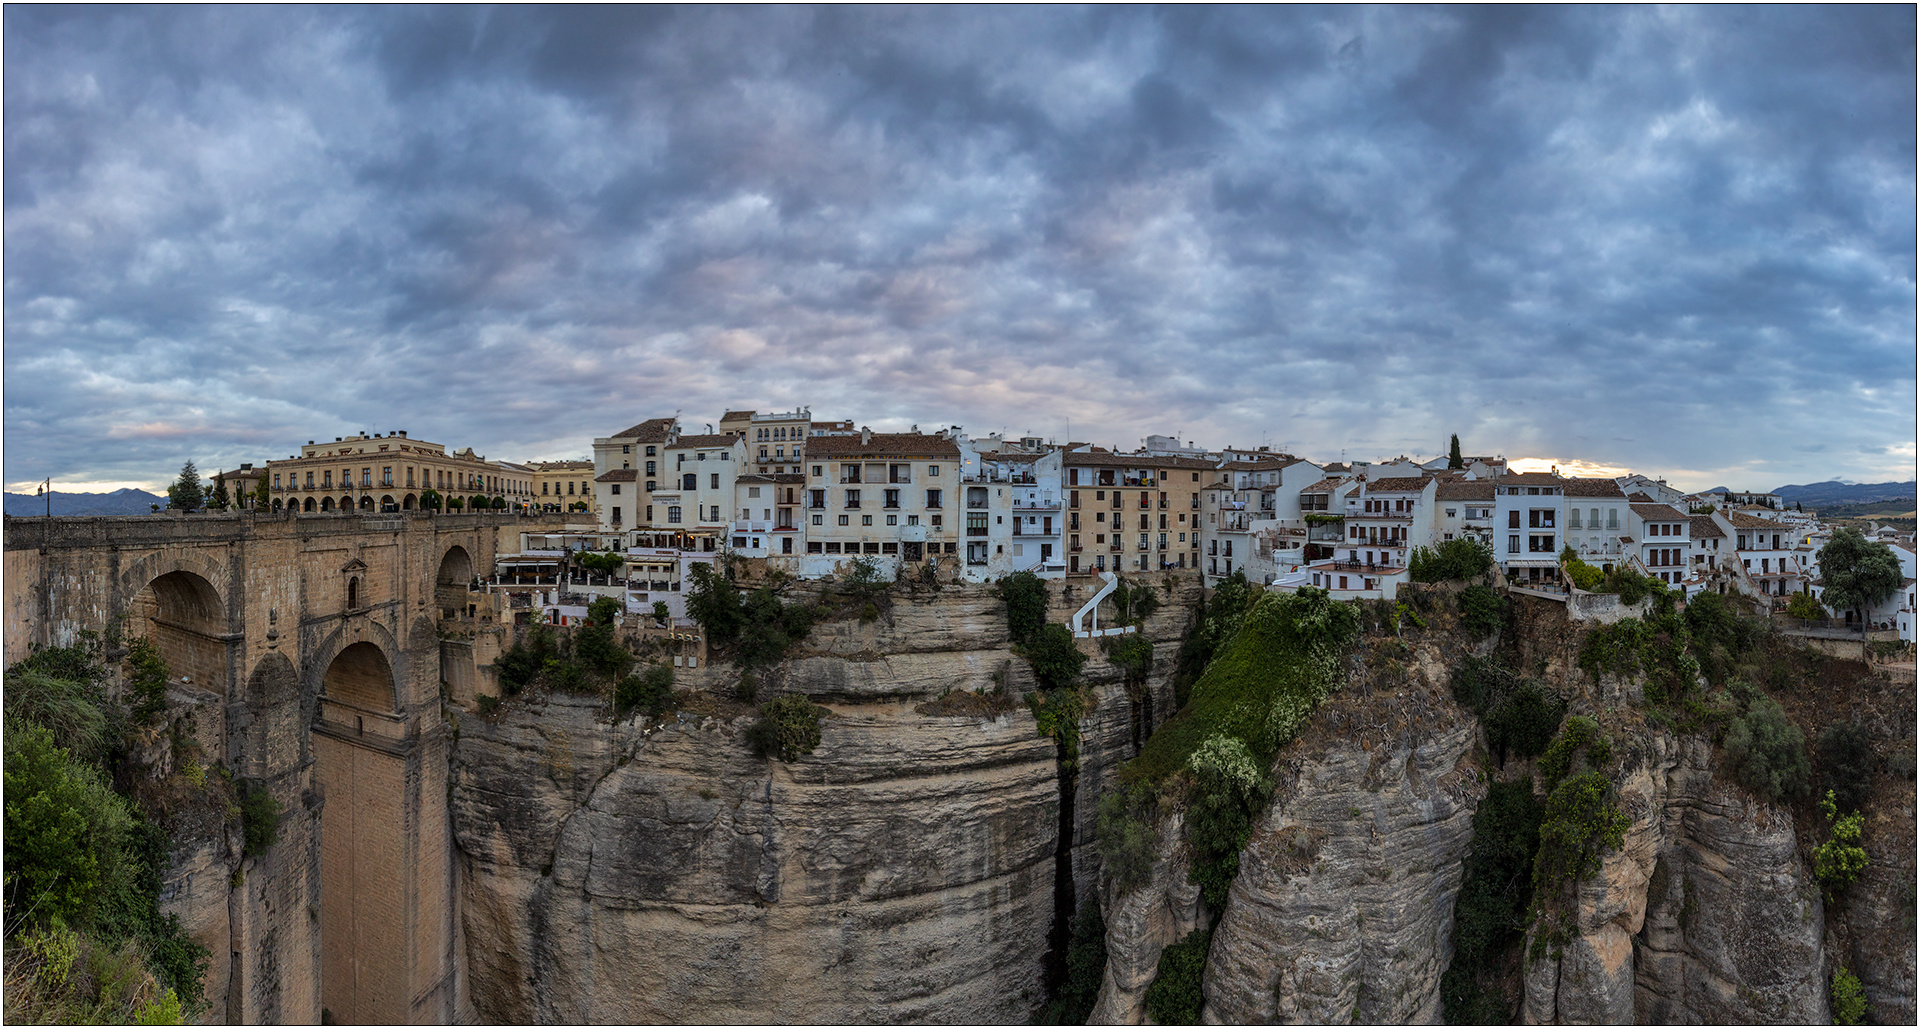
(1677, 241)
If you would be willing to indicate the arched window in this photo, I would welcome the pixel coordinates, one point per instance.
(353, 593)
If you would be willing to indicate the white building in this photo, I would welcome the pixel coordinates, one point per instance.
(890, 496)
(1663, 537)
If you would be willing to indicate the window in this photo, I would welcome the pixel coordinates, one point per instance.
(650, 468)
(1513, 542)
(616, 516)
(818, 520)
(651, 485)
(890, 498)
(816, 471)
(933, 500)
(627, 448)
(933, 469)
(853, 500)
(673, 515)
(933, 520)
(1513, 520)
(843, 519)
(649, 451)
(366, 476)
(714, 482)
(616, 489)
(866, 519)
(1540, 518)
(1573, 518)
(1613, 518)
(893, 519)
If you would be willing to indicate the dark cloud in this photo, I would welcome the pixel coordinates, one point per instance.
(1676, 240)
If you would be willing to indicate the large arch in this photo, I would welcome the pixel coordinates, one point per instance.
(366, 502)
(361, 676)
(183, 614)
(308, 507)
(326, 503)
(406, 503)
(365, 871)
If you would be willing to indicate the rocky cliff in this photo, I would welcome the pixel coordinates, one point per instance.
(1343, 906)
(904, 871)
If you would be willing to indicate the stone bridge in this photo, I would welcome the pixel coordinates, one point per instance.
(309, 647)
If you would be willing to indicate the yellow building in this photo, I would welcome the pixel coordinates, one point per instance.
(558, 485)
(389, 472)
(1133, 512)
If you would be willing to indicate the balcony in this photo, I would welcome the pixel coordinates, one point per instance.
(752, 526)
(852, 505)
(1036, 505)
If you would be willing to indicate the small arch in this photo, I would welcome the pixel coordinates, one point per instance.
(387, 503)
(407, 503)
(185, 618)
(353, 592)
(366, 503)
(276, 503)
(360, 676)
(326, 503)
(451, 581)
(309, 506)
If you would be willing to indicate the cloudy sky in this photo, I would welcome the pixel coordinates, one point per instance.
(1676, 241)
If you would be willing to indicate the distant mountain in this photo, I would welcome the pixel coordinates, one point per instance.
(1835, 492)
(119, 502)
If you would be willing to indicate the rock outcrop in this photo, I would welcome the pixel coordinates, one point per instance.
(904, 871)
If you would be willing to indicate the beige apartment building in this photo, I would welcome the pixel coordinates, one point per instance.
(1133, 512)
(776, 440)
(558, 485)
(388, 472)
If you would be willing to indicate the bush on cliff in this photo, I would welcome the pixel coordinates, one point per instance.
(1482, 610)
(789, 726)
(1026, 597)
(1490, 913)
(1846, 763)
(1175, 997)
(1126, 836)
(1462, 558)
(1259, 690)
(1229, 792)
(1765, 751)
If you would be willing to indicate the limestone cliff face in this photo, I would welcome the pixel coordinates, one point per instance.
(902, 872)
(1706, 914)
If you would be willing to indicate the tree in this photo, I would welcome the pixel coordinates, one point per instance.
(186, 493)
(430, 500)
(262, 500)
(1857, 572)
(221, 499)
(1454, 460)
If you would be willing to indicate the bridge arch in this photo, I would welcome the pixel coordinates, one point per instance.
(450, 582)
(175, 600)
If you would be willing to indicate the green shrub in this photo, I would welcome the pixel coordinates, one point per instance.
(864, 580)
(1125, 833)
(1215, 624)
(1849, 999)
(1840, 861)
(1055, 658)
(757, 629)
(1765, 751)
(1462, 558)
(1174, 998)
(1803, 605)
(73, 711)
(259, 818)
(1524, 721)
(1132, 602)
(66, 830)
(1582, 738)
(595, 644)
(1086, 967)
(147, 683)
(1846, 763)
(1613, 649)
(1482, 610)
(1229, 792)
(1056, 715)
(1281, 663)
(1490, 912)
(789, 726)
(526, 658)
(487, 703)
(651, 692)
(1132, 654)
(1634, 587)
(1584, 575)
(1025, 595)
(660, 612)
(1582, 819)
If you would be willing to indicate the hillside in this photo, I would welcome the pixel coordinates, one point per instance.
(119, 502)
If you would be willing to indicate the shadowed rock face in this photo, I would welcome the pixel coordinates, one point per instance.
(902, 872)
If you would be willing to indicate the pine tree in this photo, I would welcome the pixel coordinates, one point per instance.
(1454, 460)
(262, 500)
(186, 493)
(221, 499)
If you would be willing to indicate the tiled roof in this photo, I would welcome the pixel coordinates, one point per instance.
(736, 414)
(1323, 486)
(704, 442)
(560, 466)
(1657, 512)
(1742, 520)
(1473, 489)
(1599, 488)
(883, 444)
(1705, 527)
(1108, 459)
(1405, 484)
(619, 475)
(776, 477)
(653, 430)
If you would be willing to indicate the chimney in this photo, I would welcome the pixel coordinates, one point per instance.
(866, 435)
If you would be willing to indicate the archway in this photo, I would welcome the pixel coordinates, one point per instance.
(309, 506)
(366, 503)
(186, 620)
(365, 877)
(276, 504)
(326, 503)
(407, 503)
(387, 503)
(451, 582)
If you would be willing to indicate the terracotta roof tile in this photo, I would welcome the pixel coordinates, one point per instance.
(1599, 488)
(1742, 520)
(619, 475)
(1403, 484)
(1323, 486)
(703, 442)
(1531, 479)
(653, 430)
(1704, 527)
(1658, 512)
(1475, 489)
